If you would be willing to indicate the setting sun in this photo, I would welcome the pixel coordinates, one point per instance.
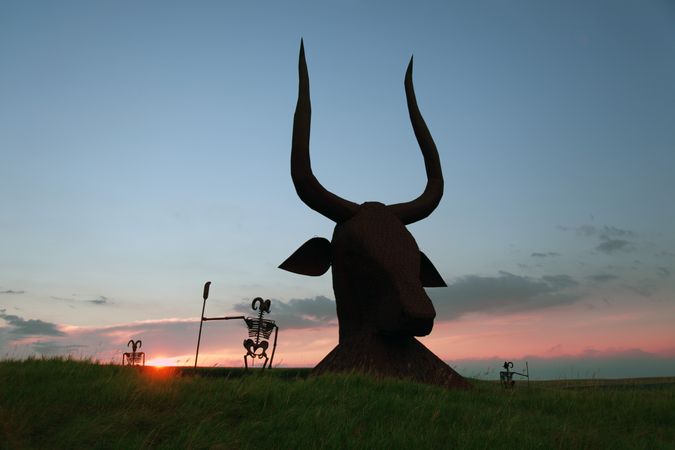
(161, 362)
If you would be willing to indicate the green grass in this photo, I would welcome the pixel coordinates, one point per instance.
(68, 404)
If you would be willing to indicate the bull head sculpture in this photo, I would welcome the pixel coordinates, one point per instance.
(379, 273)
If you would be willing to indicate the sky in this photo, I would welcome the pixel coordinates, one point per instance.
(145, 148)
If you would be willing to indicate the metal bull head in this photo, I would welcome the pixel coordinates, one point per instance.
(379, 273)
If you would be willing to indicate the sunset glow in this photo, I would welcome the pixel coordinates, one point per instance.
(160, 362)
(145, 152)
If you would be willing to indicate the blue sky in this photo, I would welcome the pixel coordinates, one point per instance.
(145, 146)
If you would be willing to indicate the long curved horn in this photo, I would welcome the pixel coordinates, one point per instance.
(423, 205)
(307, 186)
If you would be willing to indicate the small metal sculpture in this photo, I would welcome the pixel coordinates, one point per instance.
(506, 377)
(259, 330)
(133, 358)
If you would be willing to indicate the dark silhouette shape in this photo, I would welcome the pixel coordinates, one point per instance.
(205, 295)
(379, 273)
(258, 327)
(134, 358)
(506, 377)
(259, 331)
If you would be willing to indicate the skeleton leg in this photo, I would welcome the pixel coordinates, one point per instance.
(274, 346)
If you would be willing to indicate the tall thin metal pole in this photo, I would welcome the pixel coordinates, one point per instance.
(201, 319)
(527, 368)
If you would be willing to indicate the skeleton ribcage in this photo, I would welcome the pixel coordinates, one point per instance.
(134, 358)
(262, 326)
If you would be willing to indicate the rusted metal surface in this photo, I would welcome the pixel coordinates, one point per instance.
(259, 331)
(379, 273)
(134, 358)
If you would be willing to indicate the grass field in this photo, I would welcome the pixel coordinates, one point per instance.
(55, 404)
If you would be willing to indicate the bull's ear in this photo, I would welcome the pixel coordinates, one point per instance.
(429, 276)
(312, 258)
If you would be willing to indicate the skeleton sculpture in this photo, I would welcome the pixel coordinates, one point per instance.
(379, 273)
(133, 358)
(259, 331)
(506, 377)
(260, 328)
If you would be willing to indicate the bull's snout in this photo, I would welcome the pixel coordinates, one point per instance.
(407, 315)
(415, 326)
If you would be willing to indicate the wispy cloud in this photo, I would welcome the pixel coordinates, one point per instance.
(612, 239)
(11, 291)
(544, 255)
(644, 288)
(602, 277)
(613, 245)
(504, 293)
(605, 232)
(100, 300)
(664, 272)
(299, 312)
(31, 327)
(559, 282)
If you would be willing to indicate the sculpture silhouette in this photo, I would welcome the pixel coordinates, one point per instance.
(259, 331)
(133, 358)
(506, 377)
(379, 273)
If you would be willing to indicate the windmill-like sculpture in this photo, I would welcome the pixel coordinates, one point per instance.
(259, 331)
(133, 358)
